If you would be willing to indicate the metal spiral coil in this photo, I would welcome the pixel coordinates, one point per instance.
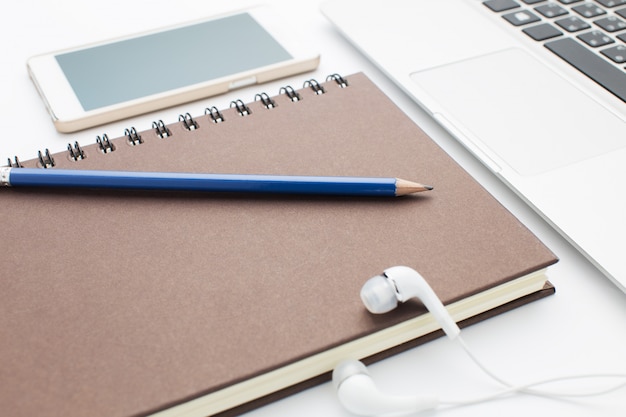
(315, 86)
(343, 83)
(161, 130)
(133, 137)
(75, 151)
(105, 144)
(214, 114)
(188, 121)
(45, 159)
(15, 163)
(290, 92)
(241, 107)
(266, 100)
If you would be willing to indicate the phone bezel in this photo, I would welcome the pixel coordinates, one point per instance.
(68, 114)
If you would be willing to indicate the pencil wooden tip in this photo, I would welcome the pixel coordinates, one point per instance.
(404, 187)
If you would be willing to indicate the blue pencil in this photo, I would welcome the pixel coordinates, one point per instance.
(171, 181)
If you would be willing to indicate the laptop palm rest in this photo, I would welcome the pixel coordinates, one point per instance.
(527, 116)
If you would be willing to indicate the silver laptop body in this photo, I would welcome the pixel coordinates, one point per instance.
(523, 106)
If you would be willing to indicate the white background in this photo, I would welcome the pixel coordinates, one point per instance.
(581, 329)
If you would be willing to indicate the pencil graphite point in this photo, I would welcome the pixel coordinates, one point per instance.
(404, 187)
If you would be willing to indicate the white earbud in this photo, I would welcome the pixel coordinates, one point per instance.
(359, 395)
(381, 294)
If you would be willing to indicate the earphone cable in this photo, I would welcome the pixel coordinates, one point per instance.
(528, 388)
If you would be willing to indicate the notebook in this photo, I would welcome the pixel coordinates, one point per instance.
(120, 303)
(546, 112)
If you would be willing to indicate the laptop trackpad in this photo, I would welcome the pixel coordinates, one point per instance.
(526, 114)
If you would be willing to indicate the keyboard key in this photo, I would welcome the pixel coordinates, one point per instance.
(523, 17)
(501, 5)
(572, 24)
(595, 38)
(535, 1)
(616, 53)
(611, 24)
(590, 64)
(622, 37)
(569, 1)
(542, 32)
(551, 10)
(589, 10)
(621, 12)
(611, 3)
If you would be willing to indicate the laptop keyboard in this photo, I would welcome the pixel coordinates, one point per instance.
(589, 35)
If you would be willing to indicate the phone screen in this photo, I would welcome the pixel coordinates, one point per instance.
(130, 69)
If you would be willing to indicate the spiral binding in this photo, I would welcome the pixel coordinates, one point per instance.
(266, 100)
(133, 138)
(45, 159)
(76, 152)
(241, 107)
(188, 121)
(343, 83)
(214, 114)
(14, 164)
(290, 92)
(315, 86)
(161, 130)
(105, 144)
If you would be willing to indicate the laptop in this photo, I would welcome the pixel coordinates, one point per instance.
(534, 89)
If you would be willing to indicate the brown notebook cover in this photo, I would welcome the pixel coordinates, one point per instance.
(129, 303)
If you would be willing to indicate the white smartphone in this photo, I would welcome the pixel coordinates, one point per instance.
(99, 83)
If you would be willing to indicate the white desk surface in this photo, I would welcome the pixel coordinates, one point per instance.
(581, 329)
